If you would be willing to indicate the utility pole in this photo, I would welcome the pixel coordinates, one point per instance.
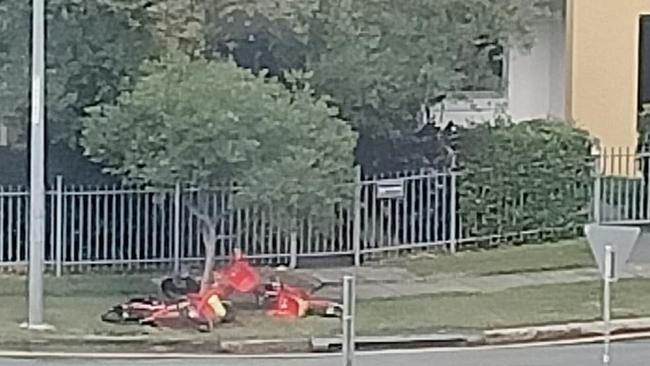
(37, 168)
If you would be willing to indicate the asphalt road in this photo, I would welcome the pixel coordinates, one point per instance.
(624, 354)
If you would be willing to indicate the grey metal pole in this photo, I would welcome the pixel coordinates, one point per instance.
(356, 229)
(177, 229)
(598, 184)
(609, 262)
(349, 300)
(598, 187)
(37, 167)
(453, 207)
(59, 225)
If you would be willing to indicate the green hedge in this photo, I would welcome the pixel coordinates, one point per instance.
(520, 177)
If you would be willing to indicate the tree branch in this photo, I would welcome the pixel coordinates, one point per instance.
(205, 218)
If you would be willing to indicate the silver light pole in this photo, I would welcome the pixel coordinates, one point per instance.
(37, 168)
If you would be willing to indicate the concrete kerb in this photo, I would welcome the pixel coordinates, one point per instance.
(497, 337)
(563, 331)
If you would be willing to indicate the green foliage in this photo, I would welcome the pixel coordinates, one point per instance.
(526, 176)
(381, 59)
(256, 42)
(92, 52)
(208, 122)
(186, 25)
(177, 26)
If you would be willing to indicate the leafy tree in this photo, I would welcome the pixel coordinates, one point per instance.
(259, 34)
(14, 62)
(269, 35)
(382, 59)
(206, 122)
(379, 59)
(92, 52)
(256, 42)
(176, 25)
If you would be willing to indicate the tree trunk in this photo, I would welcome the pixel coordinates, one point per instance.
(209, 235)
(293, 248)
(293, 242)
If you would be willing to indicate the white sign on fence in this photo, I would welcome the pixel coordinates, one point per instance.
(390, 188)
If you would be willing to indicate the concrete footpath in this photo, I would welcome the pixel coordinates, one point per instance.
(390, 282)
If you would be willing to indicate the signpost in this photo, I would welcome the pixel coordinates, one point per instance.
(612, 246)
(348, 321)
(623, 241)
(607, 279)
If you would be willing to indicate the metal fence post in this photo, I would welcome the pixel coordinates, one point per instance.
(598, 186)
(597, 198)
(356, 228)
(59, 225)
(349, 301)
(177, 228)
(453, 207)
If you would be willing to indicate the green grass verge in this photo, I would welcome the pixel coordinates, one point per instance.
(78, 314)
(530, 305)
(83, 285)
(505, 260)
